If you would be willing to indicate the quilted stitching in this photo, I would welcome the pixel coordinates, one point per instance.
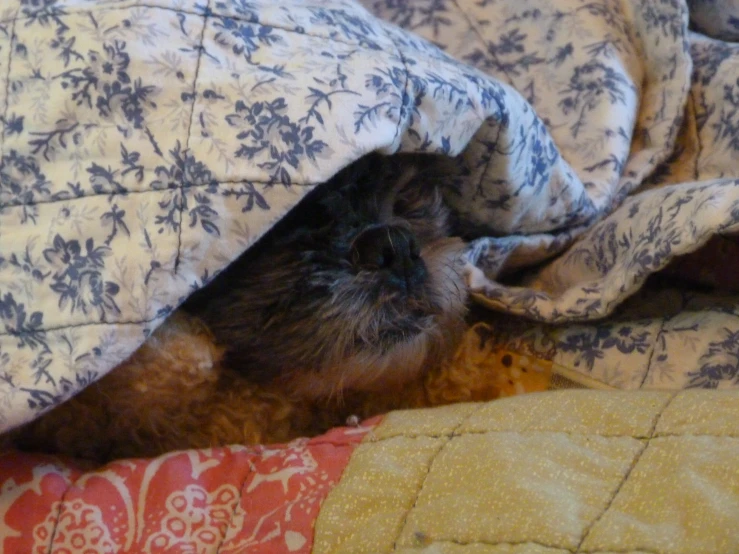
(572, 485)
(429, 468)
(111, 179)
(628, 473)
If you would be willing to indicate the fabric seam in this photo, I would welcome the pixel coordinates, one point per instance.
(85, 324)
(521, 543)
(201, 48)
(6, 108)
(184, 186)
(660, 335)
(235, 17)
(636, 436)
(450, 437)
(626, 476)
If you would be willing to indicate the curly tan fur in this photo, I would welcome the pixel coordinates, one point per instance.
(174, 393)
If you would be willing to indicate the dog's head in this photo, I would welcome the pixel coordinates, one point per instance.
(353, 290)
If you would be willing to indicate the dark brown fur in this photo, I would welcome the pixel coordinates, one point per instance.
(301, 332)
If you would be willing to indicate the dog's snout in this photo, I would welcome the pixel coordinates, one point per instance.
(385, 247)
(391, 248)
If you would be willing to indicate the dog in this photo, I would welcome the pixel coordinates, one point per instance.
(348, 307)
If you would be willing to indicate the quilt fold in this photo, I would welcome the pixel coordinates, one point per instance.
(144, 146)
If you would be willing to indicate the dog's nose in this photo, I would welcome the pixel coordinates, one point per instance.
(391, 248)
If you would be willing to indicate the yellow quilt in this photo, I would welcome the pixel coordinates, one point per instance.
(581, 471)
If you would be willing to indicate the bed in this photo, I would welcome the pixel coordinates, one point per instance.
(145, 145)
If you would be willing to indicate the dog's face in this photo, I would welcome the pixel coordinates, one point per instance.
(353, 290)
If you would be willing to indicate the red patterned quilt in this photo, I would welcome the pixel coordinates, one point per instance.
(261, 499)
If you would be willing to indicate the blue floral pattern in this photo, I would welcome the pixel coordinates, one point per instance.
(145, 145)
(718, 18)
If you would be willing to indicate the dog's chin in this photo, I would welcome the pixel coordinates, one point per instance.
(380, 370)
(403, 355)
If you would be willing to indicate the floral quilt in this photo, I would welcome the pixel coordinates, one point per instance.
(233, 499)
(145, 145)
(586, 472)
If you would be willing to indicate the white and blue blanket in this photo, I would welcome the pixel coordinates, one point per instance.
(146, 144)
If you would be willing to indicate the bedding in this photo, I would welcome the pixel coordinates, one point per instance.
(145, 145)
(581, 471)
